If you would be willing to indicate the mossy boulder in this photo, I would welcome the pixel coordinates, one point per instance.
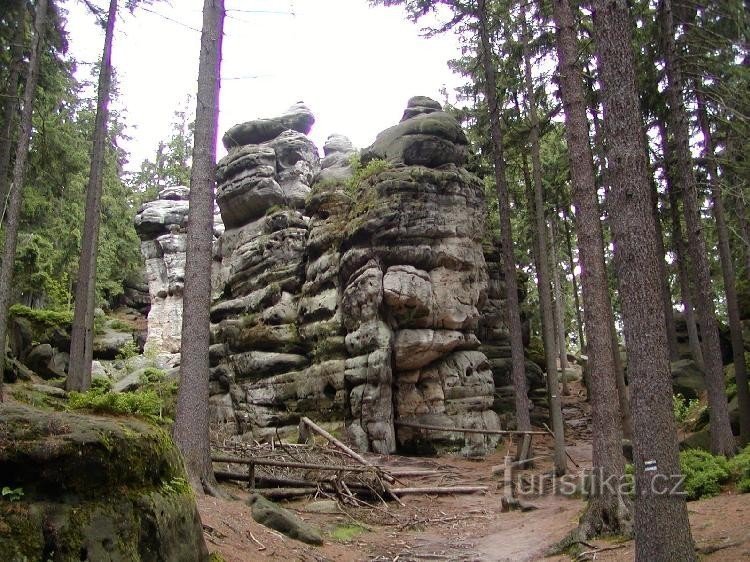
(276, 517)
(93, 488)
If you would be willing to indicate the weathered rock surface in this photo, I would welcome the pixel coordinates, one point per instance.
(297, 118)
(93, 489)
(357, 295)
(276, 517)
(161, 226)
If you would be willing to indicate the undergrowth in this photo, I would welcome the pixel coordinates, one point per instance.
(153, 400)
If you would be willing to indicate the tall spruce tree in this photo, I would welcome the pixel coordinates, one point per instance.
(19, 172)
(662, 529)
(191, 422)
(606, 513)
(82, 333)
(722, 441)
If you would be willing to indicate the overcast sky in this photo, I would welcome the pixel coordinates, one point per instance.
(355, 66)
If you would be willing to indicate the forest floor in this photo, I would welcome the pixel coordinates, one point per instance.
(465, 527)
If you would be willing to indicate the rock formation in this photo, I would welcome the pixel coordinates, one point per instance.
(93, 488)
(161, 225)
(351, 288)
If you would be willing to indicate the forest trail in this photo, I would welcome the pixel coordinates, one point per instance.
(472, 527)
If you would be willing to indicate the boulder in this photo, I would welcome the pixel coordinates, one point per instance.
(425, 138)
(279, 519)
(44, 360)
(109, 343)
(297, 118)
(687, 378)
(94, 488)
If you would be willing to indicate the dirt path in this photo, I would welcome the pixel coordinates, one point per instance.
(465, 527)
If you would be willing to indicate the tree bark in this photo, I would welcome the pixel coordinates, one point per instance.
(666, 293)
(683, 273)
(10, 107)
(606, 513)
(19, 173)
(191, 422)
(518, 360)
(82, 333)
(722, 440)
(576, 299)
(559, 310)
(727, 271)
(602, 181)
(662, 529)
(543, 274)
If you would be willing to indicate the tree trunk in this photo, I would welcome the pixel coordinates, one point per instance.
(683, 274)
(722, 440)
(559, 310)
(191, 422)
(19, 172)
(744, 230)
(10, 107)
(607, 513)
(727, 271)
(576, 300)
(622, 389)
(82, 333)
(506, 236)
(662, 529)
(665, 289)
(543, 274)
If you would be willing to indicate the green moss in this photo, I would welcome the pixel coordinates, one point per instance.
(37, 399)
(346, 532)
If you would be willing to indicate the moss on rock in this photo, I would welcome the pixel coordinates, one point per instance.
(95, 488)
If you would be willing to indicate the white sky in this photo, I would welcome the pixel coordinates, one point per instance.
(353, 65)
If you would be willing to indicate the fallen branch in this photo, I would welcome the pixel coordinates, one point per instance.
(441, 490)
(353, 454)
(285, 493)
(256, 541)
(292, 464)
(265, 482)
(466, 429)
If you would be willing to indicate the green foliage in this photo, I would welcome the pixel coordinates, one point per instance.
(144, 403)
(739, 467)
(176, 486)
(361, 173)
(154, 400)
(101, 384)
(12, 494)
(128, 351)
(43, 318)
(704, 473)
(685, 409)
(53, 197)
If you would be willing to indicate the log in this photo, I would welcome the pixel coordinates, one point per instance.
(466, 429)
(292, 464)
(263, 481)
(440, 490)
(285, 493)
(332, 467)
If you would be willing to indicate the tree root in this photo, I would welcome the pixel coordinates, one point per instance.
(603, 516)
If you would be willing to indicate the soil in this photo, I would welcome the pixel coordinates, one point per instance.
(465, 527)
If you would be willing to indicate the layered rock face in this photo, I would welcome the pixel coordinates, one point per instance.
(161, 226)
(351, 288)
